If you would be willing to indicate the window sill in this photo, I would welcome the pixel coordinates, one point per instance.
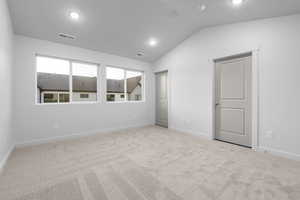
(71, 103)
(89, 102)
(117, 102)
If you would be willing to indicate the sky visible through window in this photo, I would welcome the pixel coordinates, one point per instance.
(131, 74)
(80, 69)
(119, 74)
(60, 66)
(52, 65)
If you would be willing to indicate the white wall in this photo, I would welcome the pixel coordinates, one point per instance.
(191, 72)
(6, 45)
(39, 122)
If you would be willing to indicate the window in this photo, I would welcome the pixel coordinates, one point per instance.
(123, 85)
(84, 96)
(84, 79)
(55, 97)
(110, 97)
(115, 84)
(64, 81)
(134, 83)
(137, 97)
(64, 97)
(50, 97)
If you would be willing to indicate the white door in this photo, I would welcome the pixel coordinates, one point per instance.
(162, 99)
(233, 100)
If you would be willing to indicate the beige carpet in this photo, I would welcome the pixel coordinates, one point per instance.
(148, 163)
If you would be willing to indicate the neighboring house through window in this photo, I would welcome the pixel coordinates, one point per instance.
(84, 96)
(65, 81)
(120, 90)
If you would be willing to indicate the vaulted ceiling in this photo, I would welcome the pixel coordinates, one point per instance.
(123, 27)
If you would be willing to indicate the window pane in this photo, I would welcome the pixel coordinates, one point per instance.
(110, 97)
(52, 65)
(84, 96)
(64, 98)
(50, 97)
(84, 82)
(115, 84)
(134, 85)
(52, 77)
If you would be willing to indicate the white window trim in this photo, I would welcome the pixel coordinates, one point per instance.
(125, 85)
(101, 83)
(53, 92)
(70, 81)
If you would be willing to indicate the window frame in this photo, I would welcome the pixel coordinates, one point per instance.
(82, 95)
(54, 92)
(125, 85)
(70, 61)
(101, 82)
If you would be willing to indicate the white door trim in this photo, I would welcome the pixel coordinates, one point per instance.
(255, 94)
(169, 92)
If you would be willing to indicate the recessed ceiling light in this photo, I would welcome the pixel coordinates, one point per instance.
(203, 7)
(237, 2)
(74, 15)
(152, 42)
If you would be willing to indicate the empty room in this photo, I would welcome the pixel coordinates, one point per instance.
(149, 100)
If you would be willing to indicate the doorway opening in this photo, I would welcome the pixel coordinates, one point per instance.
(161, 108)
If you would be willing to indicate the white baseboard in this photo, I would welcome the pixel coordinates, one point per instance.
(5, 158)
(280, 153)
(191, 132)
(76, 135)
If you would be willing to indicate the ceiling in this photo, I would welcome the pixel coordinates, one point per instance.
(122, 27)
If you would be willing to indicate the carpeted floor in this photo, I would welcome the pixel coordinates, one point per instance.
(149, 163)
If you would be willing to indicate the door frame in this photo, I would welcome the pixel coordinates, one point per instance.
(168, 90)
(255, 93)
